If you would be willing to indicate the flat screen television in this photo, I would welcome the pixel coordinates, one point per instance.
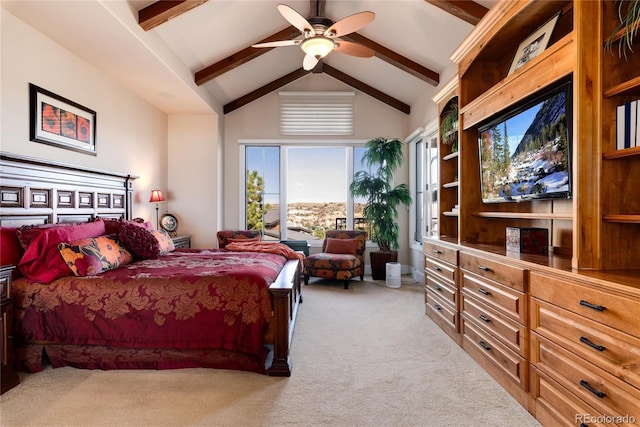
(525, 152)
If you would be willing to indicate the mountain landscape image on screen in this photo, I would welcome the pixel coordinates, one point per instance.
(526, 156)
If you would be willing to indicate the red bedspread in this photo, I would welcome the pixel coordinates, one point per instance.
(187, 299)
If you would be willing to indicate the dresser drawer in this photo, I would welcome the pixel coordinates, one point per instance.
(605, 393)
(5, 287)
(501, 298)
(511, 333)
(444, 289)
(437, 308)
(619, 312)
(441, 252)
(513, 277)
(614, 351)
(555, 406)
(481, 343)
(439, 268)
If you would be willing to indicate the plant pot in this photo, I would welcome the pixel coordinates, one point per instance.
(379, 260)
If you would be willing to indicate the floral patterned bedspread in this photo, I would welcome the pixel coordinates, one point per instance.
(187, 299)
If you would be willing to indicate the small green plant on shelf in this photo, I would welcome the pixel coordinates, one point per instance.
(449, 126)
(627, 29)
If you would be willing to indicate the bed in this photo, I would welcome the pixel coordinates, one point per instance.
(214, 308)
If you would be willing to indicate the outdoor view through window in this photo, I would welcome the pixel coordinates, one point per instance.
(317, 189)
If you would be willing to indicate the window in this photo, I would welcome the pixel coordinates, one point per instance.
(316, 113)
(262, 191)
(306, 183)
(423, 157)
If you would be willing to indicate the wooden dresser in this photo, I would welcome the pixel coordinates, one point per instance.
(9, 378)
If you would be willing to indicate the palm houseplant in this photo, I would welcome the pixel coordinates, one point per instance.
(382, 158)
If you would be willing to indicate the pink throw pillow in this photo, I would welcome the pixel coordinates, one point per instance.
(42, 262)
(341, 246)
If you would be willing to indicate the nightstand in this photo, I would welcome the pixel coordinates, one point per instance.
(181, 241)
(9, 377)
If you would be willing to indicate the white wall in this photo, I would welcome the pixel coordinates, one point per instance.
(131, 135)
(260, 120)
(193, 176)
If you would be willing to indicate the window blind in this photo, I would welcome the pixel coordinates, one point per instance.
(316, 113)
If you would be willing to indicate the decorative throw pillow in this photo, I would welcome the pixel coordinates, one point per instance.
(143, 243)
(112, 225)
(42, 262)
(88, 257)
(27, 233)
(165, 242)
(341, 246)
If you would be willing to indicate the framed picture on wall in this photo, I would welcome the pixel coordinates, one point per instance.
(533, 45)
(60, 122)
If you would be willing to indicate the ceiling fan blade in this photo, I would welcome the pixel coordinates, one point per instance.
(296, 19)
(277, 43)
(309, 62)
(349, 24)
(354, 49)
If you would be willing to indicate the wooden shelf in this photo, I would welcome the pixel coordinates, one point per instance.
(524, 215)
(450, 213)
(629, 87)
(550, 66)
(627, 219)
(451, 184)
(618, 154)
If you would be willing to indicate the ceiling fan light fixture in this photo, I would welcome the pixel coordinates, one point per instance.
(318, 46)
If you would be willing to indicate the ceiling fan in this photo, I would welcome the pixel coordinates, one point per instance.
(320, 35)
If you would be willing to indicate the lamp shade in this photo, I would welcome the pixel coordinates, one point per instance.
(156, 196)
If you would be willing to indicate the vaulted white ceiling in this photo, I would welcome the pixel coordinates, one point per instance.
(161, 64)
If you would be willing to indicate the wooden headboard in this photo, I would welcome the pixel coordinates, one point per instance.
(34, 191)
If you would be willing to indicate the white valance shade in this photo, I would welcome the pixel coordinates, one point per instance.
(316, 113)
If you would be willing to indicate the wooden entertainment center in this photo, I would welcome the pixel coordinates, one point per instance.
(560, 332)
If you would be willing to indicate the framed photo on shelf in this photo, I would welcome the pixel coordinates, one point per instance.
(533, 45)
(58, 121)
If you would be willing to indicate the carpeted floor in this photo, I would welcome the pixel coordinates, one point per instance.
(366, 356)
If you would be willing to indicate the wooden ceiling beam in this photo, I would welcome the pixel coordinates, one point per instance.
(397, 60)
(466, 10)
(243, 56)
(268, 88)
(320, 68)
(161, 11)
(363, 87)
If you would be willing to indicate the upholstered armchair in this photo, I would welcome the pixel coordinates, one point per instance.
(229, 236)
(342, 257)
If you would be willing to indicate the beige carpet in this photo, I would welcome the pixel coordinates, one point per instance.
(367, 356)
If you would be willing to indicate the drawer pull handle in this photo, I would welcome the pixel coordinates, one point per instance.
(437, 268)
(598, 393)
(437, 307)
(484, 268)
(593, 306)
(484, 345)
(437, 252)
(484, 291)
(584, 425)
(437, 288)
(484, 318)
(588, 342)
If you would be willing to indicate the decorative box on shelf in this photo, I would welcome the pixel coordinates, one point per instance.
(528, 240)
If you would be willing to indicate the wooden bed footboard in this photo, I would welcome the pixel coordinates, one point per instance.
(286, 299)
